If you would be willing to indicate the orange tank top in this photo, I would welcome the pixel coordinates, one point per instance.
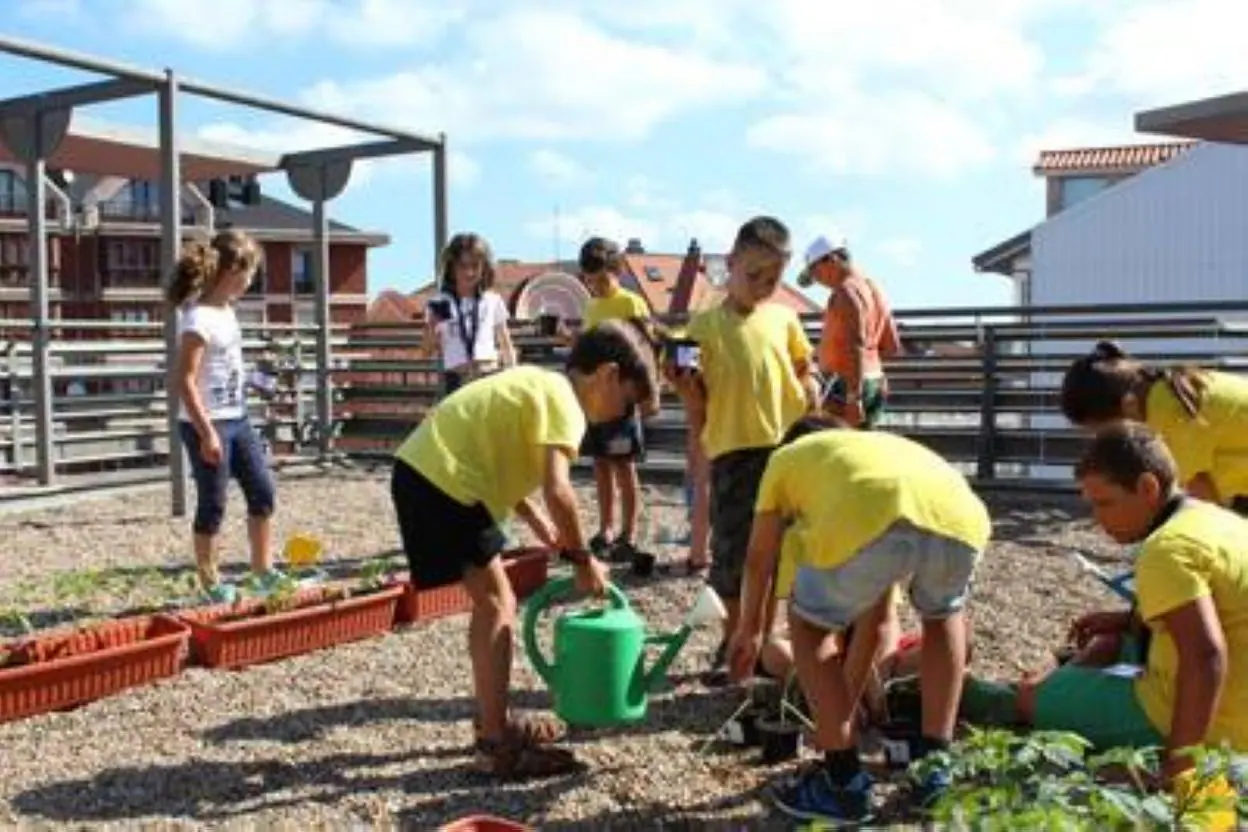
(838, 340)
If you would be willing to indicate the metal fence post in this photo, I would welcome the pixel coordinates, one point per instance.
(171, 246)
(986, 450)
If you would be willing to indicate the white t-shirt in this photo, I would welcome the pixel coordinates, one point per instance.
(221, 378)
(453, 339)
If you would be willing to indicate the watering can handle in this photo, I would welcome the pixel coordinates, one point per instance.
(553, 591)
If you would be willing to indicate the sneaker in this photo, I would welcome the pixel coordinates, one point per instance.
(931, 789)
(814, 797)
(598, 545)
(267, 581)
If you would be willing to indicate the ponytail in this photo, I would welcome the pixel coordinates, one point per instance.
(196, 268)
(1095, 386)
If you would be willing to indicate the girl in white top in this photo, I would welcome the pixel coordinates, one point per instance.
(466, 321)
(210, 379)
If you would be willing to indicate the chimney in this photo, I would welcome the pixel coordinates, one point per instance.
(691, 271)
(634, 246)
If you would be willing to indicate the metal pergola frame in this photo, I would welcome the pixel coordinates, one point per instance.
(33, 126)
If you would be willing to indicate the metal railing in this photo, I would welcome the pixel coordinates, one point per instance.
(977, 385)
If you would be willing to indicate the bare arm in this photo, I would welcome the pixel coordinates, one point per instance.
(1201, 674)
(528, 511)
(760, 566)
(190, 357)
(429, 346)
(506, 348)
(805, 370)
(561, 501)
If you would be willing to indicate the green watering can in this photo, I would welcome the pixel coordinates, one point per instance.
(599, 676)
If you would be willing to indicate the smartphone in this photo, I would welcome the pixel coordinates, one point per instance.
(440, 308)
(685, 353)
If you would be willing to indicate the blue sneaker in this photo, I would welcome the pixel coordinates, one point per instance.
(813, 797)
(267, 581)
(932, 788)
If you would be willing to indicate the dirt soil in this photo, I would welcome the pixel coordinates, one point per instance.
(377, 732)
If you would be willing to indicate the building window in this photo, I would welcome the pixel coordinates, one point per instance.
(302, 280)
(12, 193)
(14, 260)
(138, 199)
(1075, 189)
(132, 263)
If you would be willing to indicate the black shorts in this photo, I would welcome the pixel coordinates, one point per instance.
(735, 478)
(441, 536)
(621, 439)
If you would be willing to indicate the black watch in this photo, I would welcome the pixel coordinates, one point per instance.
(576, 557)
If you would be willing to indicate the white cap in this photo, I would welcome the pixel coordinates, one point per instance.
(822, 246)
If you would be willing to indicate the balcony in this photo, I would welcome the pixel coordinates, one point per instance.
(131, 284)
(15, 283)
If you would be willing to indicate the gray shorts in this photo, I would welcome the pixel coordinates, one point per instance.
(937, 569)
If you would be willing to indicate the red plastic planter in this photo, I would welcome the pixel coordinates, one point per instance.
(526, 568)
(63, 671)
(484, 823)
(241, 635)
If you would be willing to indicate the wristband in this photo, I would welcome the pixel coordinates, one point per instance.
(576, 557)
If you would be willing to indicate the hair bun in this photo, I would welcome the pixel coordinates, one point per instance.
(1107, 351)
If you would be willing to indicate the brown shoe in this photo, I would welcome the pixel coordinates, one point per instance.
(511, 760)
(529, 729)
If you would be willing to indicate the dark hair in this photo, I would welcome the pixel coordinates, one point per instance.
(626, 343)
(766, 233)
(812, 423)
(460, 245)
(599, 254)
(201, 263)
(1096, 384)
(1125, 451)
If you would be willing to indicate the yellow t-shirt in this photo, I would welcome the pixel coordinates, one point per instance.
(487, 442)
(753, 394)
(842, 489)
(1202, 551)
(619, 304)
(1216, 441)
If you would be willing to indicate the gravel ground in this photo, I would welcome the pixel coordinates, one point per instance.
(376, 733)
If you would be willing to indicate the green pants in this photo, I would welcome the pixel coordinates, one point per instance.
(1101, 708)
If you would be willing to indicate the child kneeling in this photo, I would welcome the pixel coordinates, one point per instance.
(874, 510)
(478, 457)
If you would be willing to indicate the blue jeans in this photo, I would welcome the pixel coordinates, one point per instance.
(242, 458)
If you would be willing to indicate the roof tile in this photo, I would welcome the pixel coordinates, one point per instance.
(1125, 158)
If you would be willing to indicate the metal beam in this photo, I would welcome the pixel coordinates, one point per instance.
(441, 219)
(170, 249)
(1223, 118)
(69, 97)
(77, 60)
(363, 150)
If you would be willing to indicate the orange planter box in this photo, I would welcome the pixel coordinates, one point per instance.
(484, 823)
(527, 568)
(65, 670)
(241, 635)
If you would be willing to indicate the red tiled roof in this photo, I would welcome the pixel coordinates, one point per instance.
(1124, 158)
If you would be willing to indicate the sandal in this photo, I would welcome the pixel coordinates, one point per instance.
(622, 551)
(518, 761)
(529, 729)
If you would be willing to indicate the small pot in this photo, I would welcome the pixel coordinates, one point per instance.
(547, 325)
(780, 741)
(643, 564)
(744, 728)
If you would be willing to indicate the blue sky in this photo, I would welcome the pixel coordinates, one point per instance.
(906, 126)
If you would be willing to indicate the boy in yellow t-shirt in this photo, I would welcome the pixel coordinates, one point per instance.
(753, 381)
(1191, 581)
(614, 446)
(481, 455)
(873, 510)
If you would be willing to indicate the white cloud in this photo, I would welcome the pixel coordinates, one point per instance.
(557, 169)
(546, 75)
(232, 25)
(574, 226)
(901, 251)
(1073, 132)
(1160, 52)
(901, 132)
(290, 137)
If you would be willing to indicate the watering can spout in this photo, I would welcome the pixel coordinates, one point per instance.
(706, 609)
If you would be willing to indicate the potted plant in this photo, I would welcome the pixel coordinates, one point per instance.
(780, 732)
(300, 613)
(526, 568)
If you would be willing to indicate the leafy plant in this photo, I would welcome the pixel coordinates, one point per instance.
(1049, 780)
